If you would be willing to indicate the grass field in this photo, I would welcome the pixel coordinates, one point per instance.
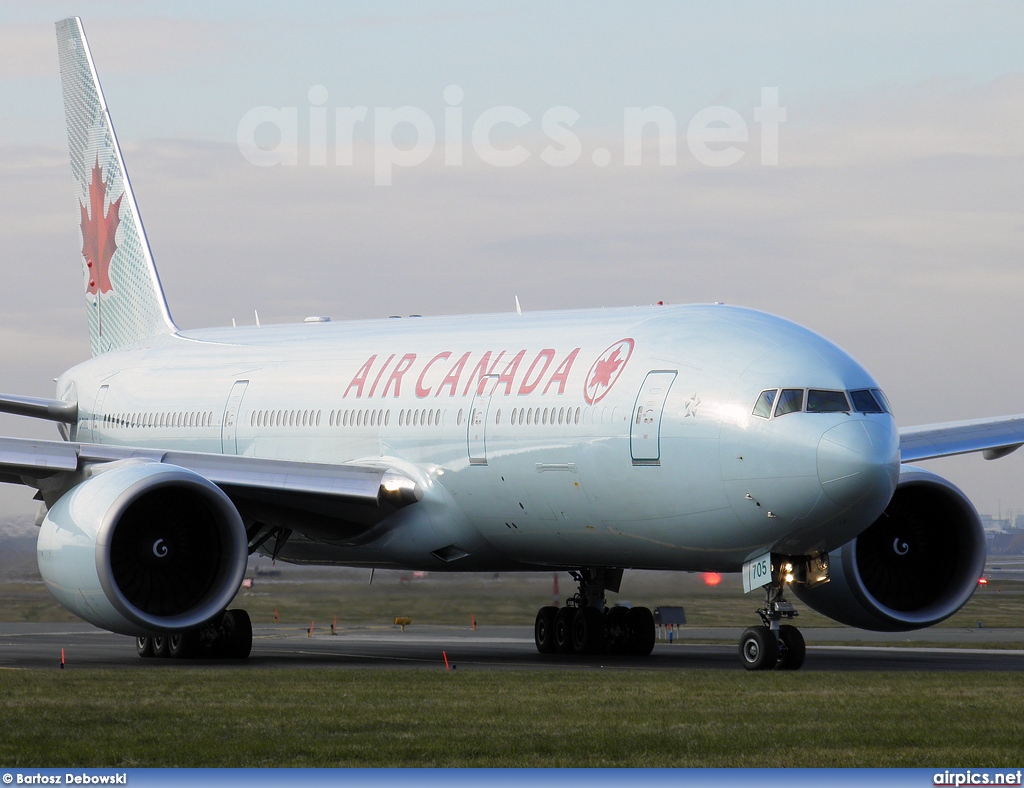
(315, 717)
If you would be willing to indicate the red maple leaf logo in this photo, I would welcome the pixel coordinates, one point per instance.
(606, 370)
(605, 367)
(98, 232)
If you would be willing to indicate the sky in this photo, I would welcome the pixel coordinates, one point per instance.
(892, 222)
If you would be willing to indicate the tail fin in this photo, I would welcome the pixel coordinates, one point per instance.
(122, 289)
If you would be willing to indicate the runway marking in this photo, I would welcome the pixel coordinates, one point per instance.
(922, 650)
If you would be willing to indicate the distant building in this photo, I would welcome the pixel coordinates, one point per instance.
(995, 525)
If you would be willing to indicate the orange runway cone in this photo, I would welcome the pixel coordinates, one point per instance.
(445, 655)
(62, 659)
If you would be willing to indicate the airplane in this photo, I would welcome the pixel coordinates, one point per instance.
(706, 438)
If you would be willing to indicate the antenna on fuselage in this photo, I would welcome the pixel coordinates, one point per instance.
(519, 309)
(256, 312)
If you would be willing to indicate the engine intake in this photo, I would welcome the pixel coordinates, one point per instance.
(914, 566)
(143, 547)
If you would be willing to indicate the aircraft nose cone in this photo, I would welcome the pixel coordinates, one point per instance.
(858, 462)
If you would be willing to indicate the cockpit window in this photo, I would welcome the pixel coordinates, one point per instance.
(882, 400)
(791, 401)
(763, 408)
(819, 401)
(864, 401)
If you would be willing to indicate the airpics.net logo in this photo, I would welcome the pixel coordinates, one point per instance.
(502, 136)
(969, 777)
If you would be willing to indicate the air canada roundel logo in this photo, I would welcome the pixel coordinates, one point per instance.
(606, 371)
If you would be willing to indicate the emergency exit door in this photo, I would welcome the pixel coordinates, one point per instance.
(477, 423)
(229, 425)
(645, 432)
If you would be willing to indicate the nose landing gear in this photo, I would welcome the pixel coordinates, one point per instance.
(773, 645)
(587, 626)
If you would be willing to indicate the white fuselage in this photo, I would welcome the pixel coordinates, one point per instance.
(618, 437)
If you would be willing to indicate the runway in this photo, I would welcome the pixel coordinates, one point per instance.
(38, 646)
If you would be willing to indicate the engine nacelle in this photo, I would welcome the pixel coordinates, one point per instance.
(143, 547)
(914, 566)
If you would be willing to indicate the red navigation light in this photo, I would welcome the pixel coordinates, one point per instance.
(712, 579)
(982, 581)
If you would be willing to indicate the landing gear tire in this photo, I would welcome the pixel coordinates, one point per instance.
(618, 630)
(544, 630)
(161, 646)
(144, 647)
(642, 633)
(792, 649)
(237, 632)
(588, 632)
(759, 650)
(563, 629)
(183, 645)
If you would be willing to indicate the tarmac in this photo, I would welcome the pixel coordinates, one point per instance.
(39, 646)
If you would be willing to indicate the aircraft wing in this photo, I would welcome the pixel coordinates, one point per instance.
(326, 500)
(995, 437)
(39, 408)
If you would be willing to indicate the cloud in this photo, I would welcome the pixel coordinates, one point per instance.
(894, 225)
(140, 45)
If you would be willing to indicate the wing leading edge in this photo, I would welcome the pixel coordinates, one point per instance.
(330, 500)
(995, 437)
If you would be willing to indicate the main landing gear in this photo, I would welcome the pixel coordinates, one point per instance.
(226, 637)
(586, 626)
(773, 645)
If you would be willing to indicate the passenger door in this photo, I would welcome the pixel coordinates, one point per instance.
(645, 430)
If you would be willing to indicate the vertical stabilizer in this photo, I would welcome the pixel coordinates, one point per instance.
(122, 289)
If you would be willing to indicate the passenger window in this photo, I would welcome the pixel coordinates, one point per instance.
(762, 408)
(790, 401)
(864, 402)
(827, 402)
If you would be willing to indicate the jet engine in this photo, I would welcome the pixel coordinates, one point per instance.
(141, 547)
(916, 565)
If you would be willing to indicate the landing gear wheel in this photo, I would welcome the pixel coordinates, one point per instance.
(588, 635)
(759, 650)
(544, 630)
(237, 629)
(617, 630)
(792, 648)
(160, 646)
(183, 645)
(144, 646)
(640, 624)
(563, 629)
